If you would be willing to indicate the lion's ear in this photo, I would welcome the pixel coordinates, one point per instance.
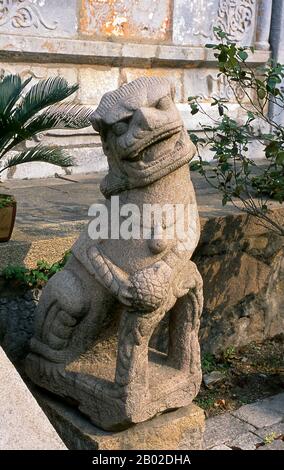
(96, 122)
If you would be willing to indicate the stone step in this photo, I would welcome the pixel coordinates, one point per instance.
(23, 424)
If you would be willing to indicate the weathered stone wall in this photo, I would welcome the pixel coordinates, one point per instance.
(242, 265)
(104, 43)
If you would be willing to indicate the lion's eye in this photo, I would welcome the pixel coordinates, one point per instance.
(164, 103)
(120, 127)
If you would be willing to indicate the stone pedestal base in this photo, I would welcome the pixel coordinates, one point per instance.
(176, 430)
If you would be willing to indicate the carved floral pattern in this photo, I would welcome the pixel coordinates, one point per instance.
(23, 14)
(236, 17)
(233, 16)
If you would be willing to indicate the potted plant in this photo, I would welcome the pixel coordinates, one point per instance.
(26, 110)
(7, 217)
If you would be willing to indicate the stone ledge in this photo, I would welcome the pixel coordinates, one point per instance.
(23, 425)
(39, 49)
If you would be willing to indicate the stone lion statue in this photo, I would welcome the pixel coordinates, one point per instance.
(96, 317)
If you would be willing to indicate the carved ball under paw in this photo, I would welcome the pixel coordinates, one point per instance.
(150, 287)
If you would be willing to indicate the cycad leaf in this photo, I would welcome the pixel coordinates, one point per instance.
(8, 130)
(40, 153)
(9, 87)
(18, 95)
(62, 116)
(43, 94)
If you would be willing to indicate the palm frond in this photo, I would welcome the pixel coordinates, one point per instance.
(9, 129)
(62, 116)
(11, 134)
(40, 153)
(11, 87)
(42, 94)
(5, 126)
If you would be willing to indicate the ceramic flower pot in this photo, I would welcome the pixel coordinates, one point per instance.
(8, 207)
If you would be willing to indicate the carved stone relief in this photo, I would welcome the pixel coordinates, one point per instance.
(236, 17)
(38, 17)
(193, 21)
(207, 84)
(24, 14)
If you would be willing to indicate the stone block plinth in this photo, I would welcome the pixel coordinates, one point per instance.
(176, 430)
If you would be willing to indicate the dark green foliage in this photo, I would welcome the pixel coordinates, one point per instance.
(270, 183)
(24, 114)
(36, 277)
(41, 153)
(208, 363)
(233, 174)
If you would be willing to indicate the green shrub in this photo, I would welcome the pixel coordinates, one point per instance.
(239, 179)
(34, 278)
(5, 201)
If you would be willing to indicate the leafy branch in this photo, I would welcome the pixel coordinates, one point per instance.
(244, 182)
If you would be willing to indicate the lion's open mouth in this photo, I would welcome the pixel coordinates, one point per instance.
(139, 153)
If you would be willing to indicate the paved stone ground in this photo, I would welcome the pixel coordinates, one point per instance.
(51, 206)
(257, 426)
(51, 212)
